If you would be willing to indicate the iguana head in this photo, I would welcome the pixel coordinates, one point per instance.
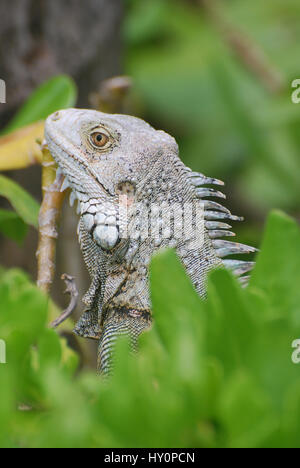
(103, 156)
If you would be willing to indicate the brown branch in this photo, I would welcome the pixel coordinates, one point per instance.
(249, 53)
(48, 220)
(72, 290)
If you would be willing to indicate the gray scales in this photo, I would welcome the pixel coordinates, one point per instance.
(126, 175)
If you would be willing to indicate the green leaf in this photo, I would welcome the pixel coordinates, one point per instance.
(174, 298)
(12, 226)
(247, 413)
(49, 349)
(277, 270)
(231, 327)
(57, 93)
(26, 207)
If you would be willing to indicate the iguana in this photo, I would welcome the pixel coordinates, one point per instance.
(124, 173)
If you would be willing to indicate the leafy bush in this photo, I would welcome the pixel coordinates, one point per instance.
(213, 373)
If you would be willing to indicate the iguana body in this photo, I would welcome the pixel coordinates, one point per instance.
(123, 173)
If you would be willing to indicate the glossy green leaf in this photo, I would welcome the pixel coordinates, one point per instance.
(281, 241)
(57, 93)
(26, 207)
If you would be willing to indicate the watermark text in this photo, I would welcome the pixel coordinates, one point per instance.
(2, 352)
(2, 92)
(296, 94)
(296, 353)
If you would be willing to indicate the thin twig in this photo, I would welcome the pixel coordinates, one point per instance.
(48, 220)
(248, 52)
(72, 290)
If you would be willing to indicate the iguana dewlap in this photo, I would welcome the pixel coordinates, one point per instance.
(135, 196)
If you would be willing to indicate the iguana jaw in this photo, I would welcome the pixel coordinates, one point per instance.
(96, 204)
(72, 161)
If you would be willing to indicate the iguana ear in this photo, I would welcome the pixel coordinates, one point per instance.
(214, 215)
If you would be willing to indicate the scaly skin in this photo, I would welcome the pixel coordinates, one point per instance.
(122, 171)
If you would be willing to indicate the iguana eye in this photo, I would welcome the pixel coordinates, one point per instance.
(99, 139)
